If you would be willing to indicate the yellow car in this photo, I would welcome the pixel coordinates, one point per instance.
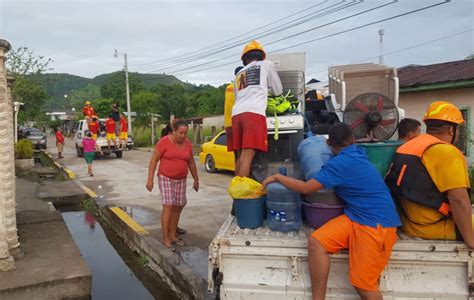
(214, 154)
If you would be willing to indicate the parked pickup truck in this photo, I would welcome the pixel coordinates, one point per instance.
(264, 264)
(81, 128)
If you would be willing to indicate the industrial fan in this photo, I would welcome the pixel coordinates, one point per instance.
(372, 117)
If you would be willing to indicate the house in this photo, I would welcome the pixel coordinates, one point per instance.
(452, 81)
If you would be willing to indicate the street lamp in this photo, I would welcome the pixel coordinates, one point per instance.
(127, 89)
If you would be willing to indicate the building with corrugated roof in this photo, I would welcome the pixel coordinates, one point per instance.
(451, 81)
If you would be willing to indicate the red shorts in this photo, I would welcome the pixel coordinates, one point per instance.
(230, 139)
(249, 131)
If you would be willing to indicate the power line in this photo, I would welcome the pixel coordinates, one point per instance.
(400, 50)
(293, 35)
(278, 29)
(235, 37)
(328, 36)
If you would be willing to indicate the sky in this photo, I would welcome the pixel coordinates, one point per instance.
(169, 36)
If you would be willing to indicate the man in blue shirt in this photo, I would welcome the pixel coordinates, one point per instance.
(368, 226)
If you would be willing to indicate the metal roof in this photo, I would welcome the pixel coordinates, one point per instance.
(417, 75)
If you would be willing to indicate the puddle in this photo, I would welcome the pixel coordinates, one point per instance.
(116, 270)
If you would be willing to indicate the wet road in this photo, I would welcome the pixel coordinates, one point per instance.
(122, 182)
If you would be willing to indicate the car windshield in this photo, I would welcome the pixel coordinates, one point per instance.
(35, 133)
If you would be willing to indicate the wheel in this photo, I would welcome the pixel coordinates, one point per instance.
(79, 151)
(119, 154)
(209, 164)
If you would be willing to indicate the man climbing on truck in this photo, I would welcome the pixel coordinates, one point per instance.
(229, 101)
(429, 180)
(88, 110)
(110, 129)
(249, 125)
(368, 227)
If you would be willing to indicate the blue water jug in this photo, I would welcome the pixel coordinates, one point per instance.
(283, 208)
(314, 152)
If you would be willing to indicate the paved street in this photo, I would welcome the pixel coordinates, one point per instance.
(122, 182)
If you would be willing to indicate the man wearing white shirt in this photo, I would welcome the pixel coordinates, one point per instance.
(252, 85)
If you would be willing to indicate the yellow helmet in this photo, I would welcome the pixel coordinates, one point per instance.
(253, 45)
(444, 111)
(88, 102)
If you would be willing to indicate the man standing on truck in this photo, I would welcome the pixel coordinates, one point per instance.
(368, 227)
(88, 110)
(429, 179)
(123, 136)
(229, 101)
(110, 129)
(249, 124)
(93, 126)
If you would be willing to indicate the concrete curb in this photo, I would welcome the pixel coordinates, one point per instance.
(170, 266)
(65, 171)
(187, 283)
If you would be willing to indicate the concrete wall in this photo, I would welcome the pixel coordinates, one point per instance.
(415, 104)
(217, 121)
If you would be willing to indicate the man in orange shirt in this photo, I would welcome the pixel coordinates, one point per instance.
(110, 129)
(88, 110)
(123, 136)
(430, 182)
(60, 142)
(94, 127)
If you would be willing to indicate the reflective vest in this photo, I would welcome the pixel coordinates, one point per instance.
(409, 179)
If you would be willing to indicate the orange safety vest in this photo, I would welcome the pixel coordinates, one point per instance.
(409, 179)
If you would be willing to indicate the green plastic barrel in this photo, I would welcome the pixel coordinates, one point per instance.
(381, 154)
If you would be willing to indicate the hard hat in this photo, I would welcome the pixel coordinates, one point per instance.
(444, 111)
(88, 102)
(253, 45)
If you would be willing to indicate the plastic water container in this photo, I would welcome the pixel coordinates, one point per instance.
(318, 214)
(314, 152)
(381, 154)
(249, 212)
(283, 208)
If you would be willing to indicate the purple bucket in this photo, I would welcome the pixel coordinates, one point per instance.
(317, 214)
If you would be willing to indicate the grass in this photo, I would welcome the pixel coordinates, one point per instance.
(143, 261)
(89, 206)
(142, 136)
(471, 180)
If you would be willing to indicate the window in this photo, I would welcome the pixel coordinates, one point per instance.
(221, 140)
(463, 131)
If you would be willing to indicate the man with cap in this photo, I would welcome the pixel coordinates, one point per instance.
(251, 86)
(429, 180)
(88, 110)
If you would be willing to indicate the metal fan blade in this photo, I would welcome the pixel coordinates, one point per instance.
(356, 123)
(380, 104)
(361, 106)
(387, 122)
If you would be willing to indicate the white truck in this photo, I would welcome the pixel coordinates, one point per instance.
(265, 264)
(81, 128)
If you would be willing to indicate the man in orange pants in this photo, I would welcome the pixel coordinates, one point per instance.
(368, 227)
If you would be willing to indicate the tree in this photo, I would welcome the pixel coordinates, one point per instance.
(115, 87)
(469, 57)
(22, 63)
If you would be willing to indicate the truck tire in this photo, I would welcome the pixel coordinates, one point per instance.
(119, 154)
(79, 151)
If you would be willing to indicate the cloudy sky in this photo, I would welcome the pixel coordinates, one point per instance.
(189, 38)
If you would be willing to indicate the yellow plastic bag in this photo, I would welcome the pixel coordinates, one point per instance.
(245, 188)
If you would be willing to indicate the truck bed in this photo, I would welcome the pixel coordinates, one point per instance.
(264, 264)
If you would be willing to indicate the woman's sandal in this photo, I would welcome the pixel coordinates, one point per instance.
(178, 242)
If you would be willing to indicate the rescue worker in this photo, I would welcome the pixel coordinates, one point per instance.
(93, 126)
(408, 129)
(229, 101)
(249, 126)
(429, 180)
(88, 110)
(110, 129)
(368, 227)
(123, 136)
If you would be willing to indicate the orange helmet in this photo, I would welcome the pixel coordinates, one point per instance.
(88, 102)
(444, 111)
(253, 45)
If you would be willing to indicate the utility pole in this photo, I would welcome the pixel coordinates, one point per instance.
(381, 33)
(127, 91)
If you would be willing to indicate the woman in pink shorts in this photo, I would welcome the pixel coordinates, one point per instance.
(175, 154)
